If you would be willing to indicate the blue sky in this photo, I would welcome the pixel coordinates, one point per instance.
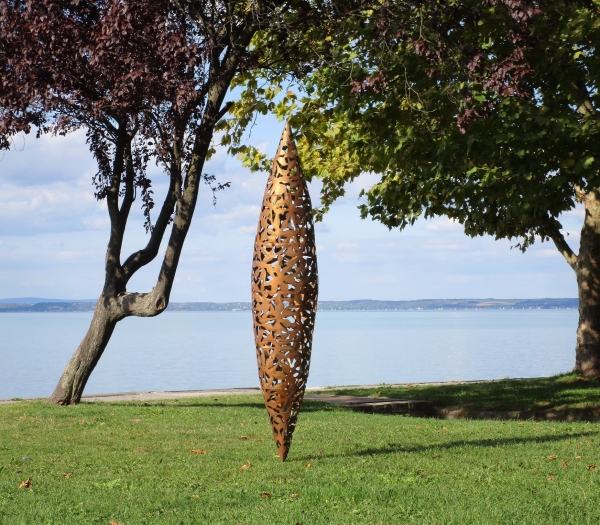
(53, 235)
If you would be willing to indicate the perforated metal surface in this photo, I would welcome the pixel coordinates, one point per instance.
(284, 291)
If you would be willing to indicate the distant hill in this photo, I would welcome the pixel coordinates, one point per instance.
(69, 306)
(30, 304)
(452, 304)
(35, 300)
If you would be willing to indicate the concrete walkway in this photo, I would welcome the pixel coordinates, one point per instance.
(179, 394)
(152, 395)
(168, 394)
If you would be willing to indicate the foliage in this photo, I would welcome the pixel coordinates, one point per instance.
(134, 70)
(283, 57)
(480, 111)
(135, 75)
(133, 463)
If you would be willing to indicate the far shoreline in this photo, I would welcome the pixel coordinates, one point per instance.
(361, 305)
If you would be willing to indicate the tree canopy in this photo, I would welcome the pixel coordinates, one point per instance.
(481, 111)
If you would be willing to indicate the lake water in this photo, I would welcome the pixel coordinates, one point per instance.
(198, 350)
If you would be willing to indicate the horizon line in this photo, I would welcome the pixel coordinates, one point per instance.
(37, 300)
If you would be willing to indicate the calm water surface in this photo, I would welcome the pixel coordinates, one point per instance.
(197, 350)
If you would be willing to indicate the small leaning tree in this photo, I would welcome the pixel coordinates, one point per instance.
(486, 112)
(147, 80)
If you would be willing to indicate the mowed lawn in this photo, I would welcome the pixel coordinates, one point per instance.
(131, 463)
(568, 393)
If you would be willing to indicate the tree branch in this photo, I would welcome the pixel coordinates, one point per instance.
(224, 110)
(153, 303)
(146, 255)
(128, 198)
(563, 247)
(117, 225)
(112, 195)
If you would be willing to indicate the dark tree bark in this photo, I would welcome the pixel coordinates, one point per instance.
(586, 265)
(79, 368)
(587, 351)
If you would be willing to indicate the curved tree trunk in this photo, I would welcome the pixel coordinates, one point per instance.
(78, 370)
(587, 269)
(116, 303)
(586, 265)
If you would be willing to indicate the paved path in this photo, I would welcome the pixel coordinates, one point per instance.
(177, 394)
(363, 404)
(173, 394)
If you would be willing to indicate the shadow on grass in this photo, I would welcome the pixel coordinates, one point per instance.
(564, 392)
(395, 448)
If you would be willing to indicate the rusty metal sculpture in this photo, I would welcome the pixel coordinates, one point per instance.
(284, 291)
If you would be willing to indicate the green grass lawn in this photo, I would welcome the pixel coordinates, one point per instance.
(132, 464)
(567, 392)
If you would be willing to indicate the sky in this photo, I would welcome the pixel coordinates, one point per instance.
(53, 236)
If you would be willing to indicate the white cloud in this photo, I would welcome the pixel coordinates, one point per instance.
(321, 227)
(239, 218)
(443, 224)
(48, 159)
(75, 255)
(54, 236)
(577, 213)
(443, 246)
(572, 235)
(96, 223)
(348, 257)
(56, 206)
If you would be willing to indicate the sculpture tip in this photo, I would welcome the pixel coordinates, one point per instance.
(287, 136)
(283, 452)
(287, 146)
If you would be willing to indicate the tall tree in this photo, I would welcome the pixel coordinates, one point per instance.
(483, 111)
(147, 80)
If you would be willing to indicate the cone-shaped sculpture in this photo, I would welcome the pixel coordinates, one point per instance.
(284, 291)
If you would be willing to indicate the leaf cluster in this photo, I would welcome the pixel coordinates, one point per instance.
(133, 74)
(290, 54)
(481, 111)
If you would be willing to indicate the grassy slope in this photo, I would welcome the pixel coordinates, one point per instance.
(564, 392)
(133, 464)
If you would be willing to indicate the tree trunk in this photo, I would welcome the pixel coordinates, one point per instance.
(76, 374)
(587, 269)
(116, 303)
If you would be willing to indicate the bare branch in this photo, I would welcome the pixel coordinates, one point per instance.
(563, 247)
(143, 257)
(129, 196)
(226, 107)
(112, 195)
